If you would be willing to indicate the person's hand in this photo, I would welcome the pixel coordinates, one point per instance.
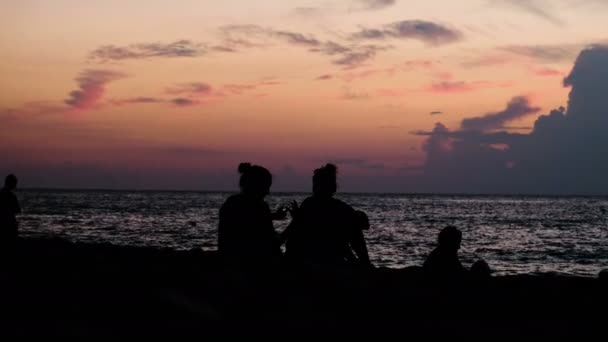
(281, 213)
(293, 208)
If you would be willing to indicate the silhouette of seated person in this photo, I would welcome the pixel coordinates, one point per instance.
(246, 235)
(9, 208)
(443, 260)
(481, 270)
(325, 229)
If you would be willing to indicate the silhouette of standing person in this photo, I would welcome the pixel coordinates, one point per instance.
(443, 260)
(324, 229)
(246, 235)
(9, 208)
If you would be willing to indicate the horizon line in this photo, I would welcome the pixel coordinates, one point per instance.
(476, 194)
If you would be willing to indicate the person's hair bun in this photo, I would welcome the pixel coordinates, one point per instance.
(243, 167)
(329, 167)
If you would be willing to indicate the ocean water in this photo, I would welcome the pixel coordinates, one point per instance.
(514, 234)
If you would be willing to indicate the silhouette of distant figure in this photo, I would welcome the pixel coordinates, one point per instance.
(9, 208)
(443, 260)
(324, 229)
(246, 236)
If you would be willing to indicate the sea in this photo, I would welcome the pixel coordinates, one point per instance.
(514, 234)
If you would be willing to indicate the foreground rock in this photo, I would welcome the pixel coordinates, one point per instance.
(53, 287)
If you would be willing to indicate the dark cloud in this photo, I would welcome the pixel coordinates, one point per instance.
(425, 31)
(355, 58)
(547, 53)
(91, 85)
(517, 108)
(179, 48)
(223, 48)
(237, 44)
(183, 102)
(348, 56)
(332, 48)
(565, 153)
(435, 113)
(297, 38)
(540, 9)
(374, 4)
(139, 99)
(188, 94)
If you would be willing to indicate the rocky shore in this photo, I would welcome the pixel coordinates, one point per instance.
(52, 287)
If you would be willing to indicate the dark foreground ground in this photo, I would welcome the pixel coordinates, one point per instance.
(53, 287)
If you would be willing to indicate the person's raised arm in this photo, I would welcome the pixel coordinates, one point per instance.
(357, 243)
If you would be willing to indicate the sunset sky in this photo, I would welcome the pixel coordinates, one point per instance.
(174, 94)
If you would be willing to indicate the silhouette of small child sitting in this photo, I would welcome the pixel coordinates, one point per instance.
(443, 260)
(481, 270)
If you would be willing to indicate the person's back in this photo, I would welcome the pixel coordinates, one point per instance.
(9, 208)
(443, 260)
(321, 232)
(324, 228)
(246, 234)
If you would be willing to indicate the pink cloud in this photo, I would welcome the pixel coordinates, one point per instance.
(91, 85)
(238, 89)
(324, 77)
(488, 60)
(391, 92)
(420, 63)
(444, 75)
(548, 72)
(368, 73)
(456, 86)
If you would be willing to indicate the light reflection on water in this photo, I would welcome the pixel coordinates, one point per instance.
(514, 234)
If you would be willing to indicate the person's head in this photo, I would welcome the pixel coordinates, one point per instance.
(255, 180)
(450, 238)
(361, 220)
(324, 180)
(481, 269)
(10, 182)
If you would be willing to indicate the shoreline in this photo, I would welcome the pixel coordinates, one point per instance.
(85, 290)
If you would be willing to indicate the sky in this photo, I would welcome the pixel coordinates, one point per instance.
(471, 96)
